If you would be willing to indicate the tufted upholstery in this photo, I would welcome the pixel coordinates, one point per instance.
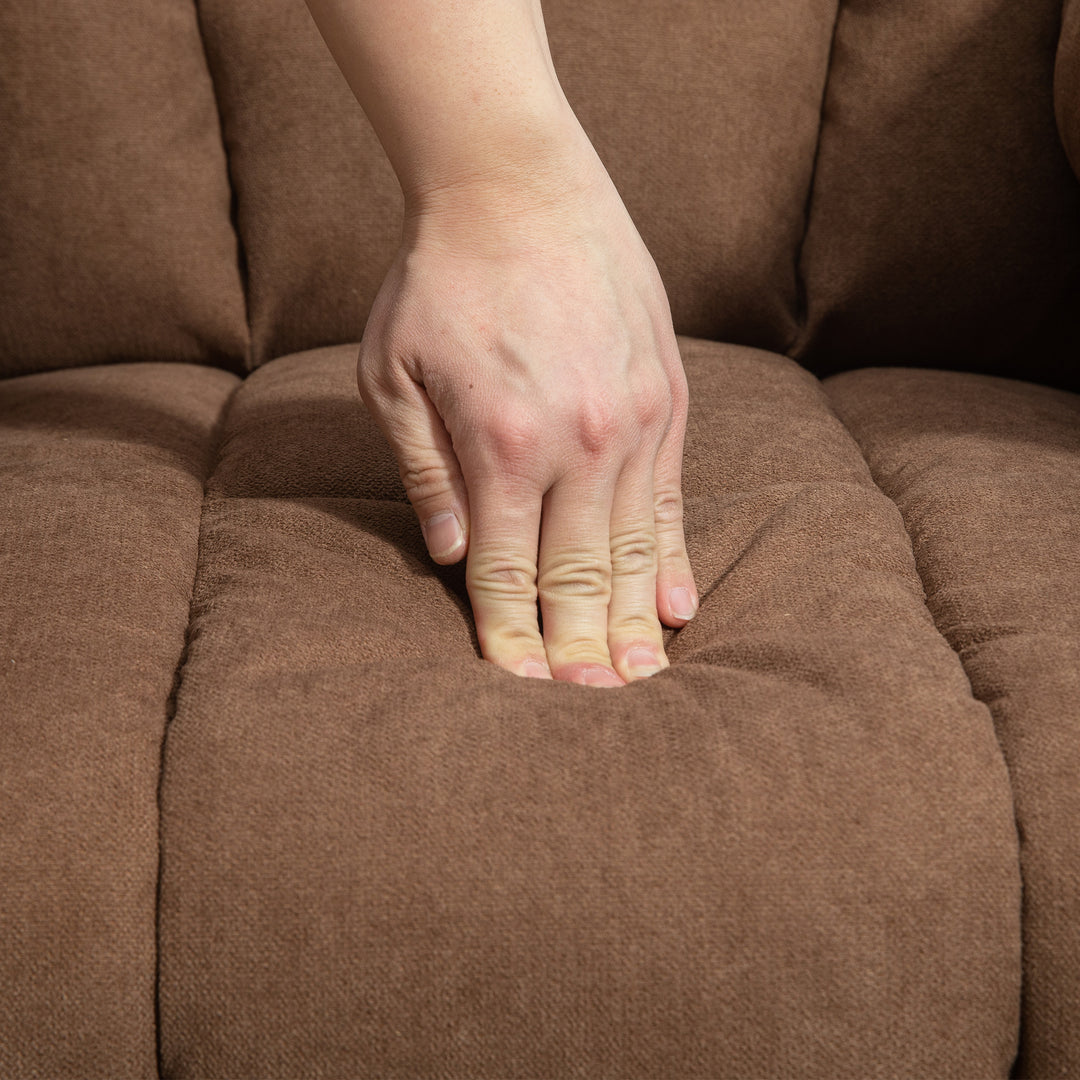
(115, 240)
(263, 809)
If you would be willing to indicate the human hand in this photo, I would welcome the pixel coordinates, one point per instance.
(521, 362)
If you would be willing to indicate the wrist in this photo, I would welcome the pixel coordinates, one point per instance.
(539, 163)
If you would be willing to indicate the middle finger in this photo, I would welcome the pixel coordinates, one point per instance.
(574, 578)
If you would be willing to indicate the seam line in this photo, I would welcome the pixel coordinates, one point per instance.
(797, 342)
(212, 458)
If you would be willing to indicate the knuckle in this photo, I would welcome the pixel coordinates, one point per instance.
(370, 380)
(668, 508)
(633, 554)
(579, 649)
(425, 480)
(598, 425)
(513, 437)
(573, 575)
(636, 629)
(511, 639)
(504, 577)
(652, 406)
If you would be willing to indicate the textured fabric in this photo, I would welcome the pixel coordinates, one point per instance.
(944, 222)
(101, 478)
(115, 239)
(790, 854)
(986, 473)
(704, 111)
(1067, 82)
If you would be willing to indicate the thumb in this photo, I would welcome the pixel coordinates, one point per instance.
(428, 466)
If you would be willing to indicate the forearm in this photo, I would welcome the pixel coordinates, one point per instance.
(455, 89)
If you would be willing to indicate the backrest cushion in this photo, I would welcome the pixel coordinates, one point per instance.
(943, 225)
(849, 183)
(1067, 82)
(704, 111)
(115, 233)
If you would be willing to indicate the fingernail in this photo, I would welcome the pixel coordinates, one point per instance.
(682, 603)
(442, 533)
(642, 662)
(535, 669)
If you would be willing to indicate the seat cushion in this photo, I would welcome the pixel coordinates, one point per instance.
(115, 233)
(986, 473)
(791, 853)
(101, 482)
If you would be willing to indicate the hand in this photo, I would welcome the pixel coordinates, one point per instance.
(520, 360)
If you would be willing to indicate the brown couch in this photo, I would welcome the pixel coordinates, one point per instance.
(264, 811)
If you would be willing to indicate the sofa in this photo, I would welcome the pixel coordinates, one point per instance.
(264, 809)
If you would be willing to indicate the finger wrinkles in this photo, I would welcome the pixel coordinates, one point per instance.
(504, 577)
(633, 553)
(668, 508)
(574, 575)
(637, 627)
(578, 648)
(424, 479)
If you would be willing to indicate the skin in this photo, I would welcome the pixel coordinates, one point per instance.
(520, 357)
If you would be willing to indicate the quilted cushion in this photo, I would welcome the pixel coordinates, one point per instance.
(115, 238)
(101, 482)
(986, 473)
(791, 853)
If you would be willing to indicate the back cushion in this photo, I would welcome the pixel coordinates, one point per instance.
(704, 111)
(943, 224)
(1067, 82)
(115, 233)
(863, 183)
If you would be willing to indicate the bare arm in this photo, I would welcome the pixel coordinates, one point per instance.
(452, 87)
(520, 356)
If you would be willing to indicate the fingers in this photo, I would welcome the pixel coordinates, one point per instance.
(574, 581)
(635, 638)
(428, 465)
(501, 575)
(676, 595)
(604, 553)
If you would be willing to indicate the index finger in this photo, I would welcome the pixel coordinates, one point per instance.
(500, 573)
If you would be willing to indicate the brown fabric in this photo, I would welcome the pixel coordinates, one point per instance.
(944, 219)
(705, 112)
(101, 478)
(115, 239)
(1067, 82)
(792, 853)
(986, 473)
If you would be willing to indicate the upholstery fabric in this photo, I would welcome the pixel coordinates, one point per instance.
(101, 481)
(986, 473)
(1067, 82)
(943, 224)
(115, 238)
(704, 111)
(791, 853)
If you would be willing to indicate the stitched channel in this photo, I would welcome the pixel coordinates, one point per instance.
(801, 301)
(212, 459)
